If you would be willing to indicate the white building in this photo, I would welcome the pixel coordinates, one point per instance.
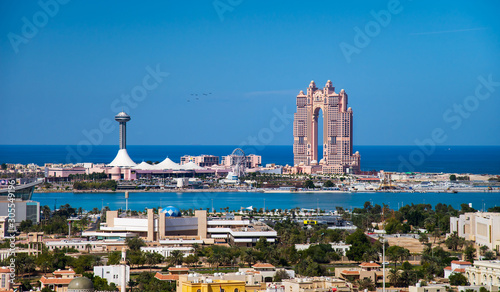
(154, 227)
(481, 227)
(339, 247)
(456, 267)
(114, 273)
(167, 250)
(484, 273)
(80, 245)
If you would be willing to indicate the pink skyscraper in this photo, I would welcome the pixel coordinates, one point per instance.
(337, 130)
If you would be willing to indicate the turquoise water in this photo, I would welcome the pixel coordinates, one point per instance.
(236, 200)
(461, 159)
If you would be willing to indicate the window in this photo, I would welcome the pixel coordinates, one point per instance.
(236, 290)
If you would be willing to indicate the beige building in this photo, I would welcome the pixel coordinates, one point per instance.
(5, 284)
(60, 281)
(481, 227)
(314, 284)
(484, 273)
(162, 228)
(430, 288)
(366, 270)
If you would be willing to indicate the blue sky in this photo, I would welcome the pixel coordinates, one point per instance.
(407, 81)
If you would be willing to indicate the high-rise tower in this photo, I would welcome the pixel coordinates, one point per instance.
(122, 159)
(123, 118)
(337, 130)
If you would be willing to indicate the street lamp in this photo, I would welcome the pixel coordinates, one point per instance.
(383, 264)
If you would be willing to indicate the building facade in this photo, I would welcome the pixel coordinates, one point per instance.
(201, 160)
(113, 273)
(180, 231)
(338, 156)
(485, 273)
(481, 227)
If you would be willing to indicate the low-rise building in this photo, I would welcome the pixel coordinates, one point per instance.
(484, 273)
(340, 247)
(184, 284)
(60, 280)
(366, 270)
(250, 281)
(113, 274)
(5, 284)
(456, 267)
(315, 284)
(428, 288)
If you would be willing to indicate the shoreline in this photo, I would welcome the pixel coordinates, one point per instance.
(495, 190)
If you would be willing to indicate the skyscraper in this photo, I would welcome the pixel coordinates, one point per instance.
(337, 130)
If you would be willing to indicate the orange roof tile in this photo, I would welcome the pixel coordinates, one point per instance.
(262, 265)
(459, 270)
(461, 262)
(178, 269)
(162, 277)
(448, 268)
(350, 272)
(372, 265)
(55, 281)
(64, 272)
(4, 270)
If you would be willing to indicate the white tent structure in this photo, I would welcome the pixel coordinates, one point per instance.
(191, 166)
(122, 159)
(144, 166)
(168, 164)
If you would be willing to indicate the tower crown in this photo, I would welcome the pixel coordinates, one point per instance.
(122, 117)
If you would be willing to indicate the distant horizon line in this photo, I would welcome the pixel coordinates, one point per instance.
(239, 146)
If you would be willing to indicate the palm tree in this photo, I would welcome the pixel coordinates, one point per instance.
(46, 212)
(365, 283)
(176, 258)
(88, 247)
(394, 277)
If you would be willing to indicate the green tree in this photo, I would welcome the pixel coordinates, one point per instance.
(309, 184)
(328, 184)
(469, 253)
(397, 253)
(176, 258)
(453, 177)
(135, 243)
(191, 259)
(365, 283)
(359, 244)
(114, 258)
(393, 226)
(458, 279)
(454, 242)
(280, 275)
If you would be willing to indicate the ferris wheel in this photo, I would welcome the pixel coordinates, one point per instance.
(238, 162)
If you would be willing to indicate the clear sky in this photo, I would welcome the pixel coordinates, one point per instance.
(64, 69)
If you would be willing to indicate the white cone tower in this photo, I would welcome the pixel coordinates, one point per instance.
(122, 159)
